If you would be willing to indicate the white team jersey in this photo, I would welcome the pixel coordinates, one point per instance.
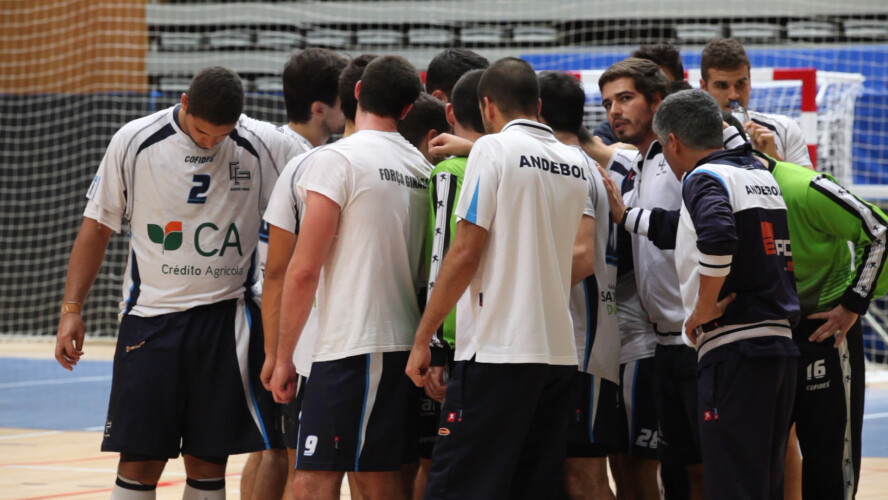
(367, 298)
(637, 335)
(285, 210)
(194, 213)
(657, 281)
(302, 146)
(598, 346)
(528, 191)
(788, 137)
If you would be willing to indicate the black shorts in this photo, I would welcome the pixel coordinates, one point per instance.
(503, 432)
(189, 382)
(358, 414)
(828, 411)
(594, 415)
(675, 394)
(744, 417)
(638, 410)
(290, 415)
(429, 420)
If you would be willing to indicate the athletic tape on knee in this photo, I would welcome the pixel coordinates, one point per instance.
(211, 484)
(132, 484)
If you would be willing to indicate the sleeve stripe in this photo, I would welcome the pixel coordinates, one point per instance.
(714, 266)
(873, 261)
(472, 213)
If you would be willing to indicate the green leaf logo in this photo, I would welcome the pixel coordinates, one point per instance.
(170, 236)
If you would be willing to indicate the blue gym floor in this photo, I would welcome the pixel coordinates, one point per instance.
(39, 394)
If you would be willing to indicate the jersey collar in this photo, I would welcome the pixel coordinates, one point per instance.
(530, 126)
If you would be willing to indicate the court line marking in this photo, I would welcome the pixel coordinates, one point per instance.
(55, 381)
(873, 416)
(29, 435)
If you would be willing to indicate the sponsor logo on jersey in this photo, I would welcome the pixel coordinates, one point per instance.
(451, 417)
(443, 431)
(763, 190)
(776, 246)
(390, 175)
(200, 160)
(552, 166)
(170, 236)
(238, 176)
(710, 415)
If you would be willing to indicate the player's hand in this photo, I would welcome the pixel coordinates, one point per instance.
(449, 145)
(598, 150)
(436, 387)
(838, 321)
(614, 197)
(705, 313)
(762, 139)
(267, 371)
(283, 382)
(418, 365)
(69, 340)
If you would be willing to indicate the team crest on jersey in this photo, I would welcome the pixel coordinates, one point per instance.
(240, 179)
(169, 236)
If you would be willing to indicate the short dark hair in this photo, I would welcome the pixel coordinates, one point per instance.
(511, 84)
(216, 95)
(663, 55)
(564, 101)
(724, 54)
(677, 86)
(693, 116)
(464, 99)
(388, 85)
(649, 79)
(426, 114)
(447, 67)
(349, 77)
(310, 75)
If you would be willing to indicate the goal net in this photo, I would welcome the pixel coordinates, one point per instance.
(73, 71)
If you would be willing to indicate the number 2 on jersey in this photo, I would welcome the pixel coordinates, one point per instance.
(198, 193)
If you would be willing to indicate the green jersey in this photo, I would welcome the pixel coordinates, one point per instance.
(446, 182)
(823, 217)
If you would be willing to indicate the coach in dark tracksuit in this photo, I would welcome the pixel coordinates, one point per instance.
(735, 267)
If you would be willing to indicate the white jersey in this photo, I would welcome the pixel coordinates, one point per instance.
(285, 211)
(598, 345)
(302, 146)
(528, 191)
(194, 213)
(367, 298)
(637, 337)
(788, 137)
(655, 276)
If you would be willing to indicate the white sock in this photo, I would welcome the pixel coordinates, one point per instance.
(128, 489)
(204, 489)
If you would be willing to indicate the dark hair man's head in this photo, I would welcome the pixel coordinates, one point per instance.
(677, 86)
(464, 100)
(724, 69)
(447, 67)
(388, 86)
(511, 84)
(349, 77)
(563, 101)
(310, 75)
(216, 95)
(665, 56)
(648, 79)
(726, 54)
(688, 125)
(425, 120)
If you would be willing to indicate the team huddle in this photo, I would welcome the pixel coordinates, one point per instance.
(471, 296)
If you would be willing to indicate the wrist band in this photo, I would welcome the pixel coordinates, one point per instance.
(70, 306)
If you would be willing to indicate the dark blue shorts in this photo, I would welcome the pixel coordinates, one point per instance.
(290, 415)
(675, 394)
(503, 432)
(594, 415)
(190, 377)
(638, 410)
(358, 414)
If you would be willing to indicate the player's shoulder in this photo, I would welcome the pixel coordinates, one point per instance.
(267, 133)
(148, 124)
(453, 165)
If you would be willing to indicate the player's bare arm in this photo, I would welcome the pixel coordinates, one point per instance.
(280, 248)
(83, 267)
(300, 286)
(583, 263)
(456, 273)
(449, 145)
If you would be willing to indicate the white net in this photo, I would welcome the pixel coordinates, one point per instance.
(73, 71)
